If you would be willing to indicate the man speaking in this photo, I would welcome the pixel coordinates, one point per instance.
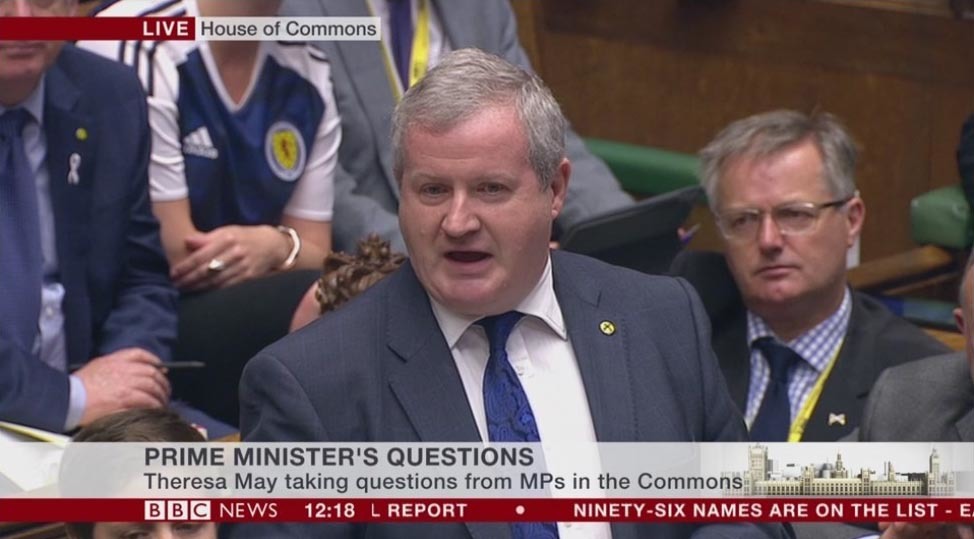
(485, 334)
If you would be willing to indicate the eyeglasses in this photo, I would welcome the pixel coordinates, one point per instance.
(792, 219)
(37, 7)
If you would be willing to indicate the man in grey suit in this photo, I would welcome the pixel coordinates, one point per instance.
(485, 334)
(367, 86)
(931, 400)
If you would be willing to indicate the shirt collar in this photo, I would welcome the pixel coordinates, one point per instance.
(541, 303)
(34, 104)
(815, 346)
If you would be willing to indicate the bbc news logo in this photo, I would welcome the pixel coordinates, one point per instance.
(177, 510)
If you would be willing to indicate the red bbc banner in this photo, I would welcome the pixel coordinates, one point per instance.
(97, 28)
(492, 510)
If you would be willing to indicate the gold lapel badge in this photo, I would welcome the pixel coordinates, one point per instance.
(81, 134)
(607, 327)
(836, 419)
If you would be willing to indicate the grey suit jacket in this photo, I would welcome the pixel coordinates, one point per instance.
(379, 369)
(366, 194)
(931, 400)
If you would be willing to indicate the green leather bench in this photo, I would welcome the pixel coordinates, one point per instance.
(645, 171)
(942, 217)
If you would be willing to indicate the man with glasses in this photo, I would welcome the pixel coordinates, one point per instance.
(799, 349)
(83, 280)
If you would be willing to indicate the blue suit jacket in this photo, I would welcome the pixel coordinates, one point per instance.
(112, 267)
(379, 369)
(366, 193)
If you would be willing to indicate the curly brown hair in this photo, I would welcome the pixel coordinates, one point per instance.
(345, 276)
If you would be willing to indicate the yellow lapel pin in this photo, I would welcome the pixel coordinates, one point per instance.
(607, 327)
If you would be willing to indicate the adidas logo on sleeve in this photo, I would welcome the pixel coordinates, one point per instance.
(198, 143)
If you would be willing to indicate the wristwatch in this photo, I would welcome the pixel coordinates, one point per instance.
(295, 240)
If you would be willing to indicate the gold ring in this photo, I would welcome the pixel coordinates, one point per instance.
(216, 266)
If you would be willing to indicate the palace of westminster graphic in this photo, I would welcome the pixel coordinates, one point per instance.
(762, 479)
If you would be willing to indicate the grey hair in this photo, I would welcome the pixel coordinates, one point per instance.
(467, 81)
(769, 133)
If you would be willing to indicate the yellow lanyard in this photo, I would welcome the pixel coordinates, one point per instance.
(419, 54)
(798, 426)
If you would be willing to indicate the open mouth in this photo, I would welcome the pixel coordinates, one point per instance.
(467, 257)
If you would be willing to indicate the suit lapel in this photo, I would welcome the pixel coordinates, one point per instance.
(70, 137)
(849, 382)
(460, 24)
(734, 355)
(426, 373)
(366, 69)
(603, 359)
(425, 379)
(965, 427)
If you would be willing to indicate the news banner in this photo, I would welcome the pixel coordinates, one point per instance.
(317, 482)
(192, 28)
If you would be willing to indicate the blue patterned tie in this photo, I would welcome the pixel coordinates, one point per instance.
(401, 38)
(774, 417)
(20, 239)
(509, 415)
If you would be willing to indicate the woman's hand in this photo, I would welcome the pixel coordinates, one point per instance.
(229, 255)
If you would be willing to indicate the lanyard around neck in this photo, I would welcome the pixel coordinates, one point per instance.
(419, 53)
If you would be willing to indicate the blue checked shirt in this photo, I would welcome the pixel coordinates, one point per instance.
(817, 346)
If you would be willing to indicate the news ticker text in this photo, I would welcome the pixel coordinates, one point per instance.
(488, 510)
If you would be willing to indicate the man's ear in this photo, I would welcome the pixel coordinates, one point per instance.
(856, 215)
(959, 318)
(559, 187)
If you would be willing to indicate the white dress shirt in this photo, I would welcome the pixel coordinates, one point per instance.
(542, 356)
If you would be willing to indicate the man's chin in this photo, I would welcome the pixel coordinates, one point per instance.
(16, 68)
(774, 298)
(471, 300)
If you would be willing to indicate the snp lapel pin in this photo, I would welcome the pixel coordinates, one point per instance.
(74, 162)
(836, 419)
(607, 327)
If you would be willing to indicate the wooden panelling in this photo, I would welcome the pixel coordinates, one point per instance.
(529, 27)
(671, 73)
(790, 31)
